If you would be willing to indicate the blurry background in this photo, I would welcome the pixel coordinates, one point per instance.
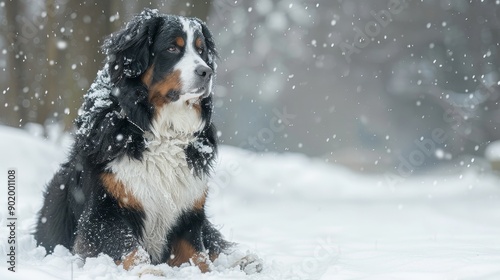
(389, 85)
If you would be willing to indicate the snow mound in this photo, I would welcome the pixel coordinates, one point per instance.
(306, 219)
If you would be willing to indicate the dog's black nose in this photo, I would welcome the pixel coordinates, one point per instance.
(204, 71)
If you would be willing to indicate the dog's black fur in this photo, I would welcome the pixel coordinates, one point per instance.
(78, 212)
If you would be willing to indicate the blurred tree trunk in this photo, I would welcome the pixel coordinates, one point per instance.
(49, 83)
(12, 97)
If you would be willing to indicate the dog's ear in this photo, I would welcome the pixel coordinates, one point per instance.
(209, 42)
(128, 50)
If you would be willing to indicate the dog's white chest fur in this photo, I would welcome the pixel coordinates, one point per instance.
(165, 186)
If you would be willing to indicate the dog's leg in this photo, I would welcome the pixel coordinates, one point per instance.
(213, 241)
(184, 251)
(136, 257)
(102, 229)
(186, 242)
(233, 257)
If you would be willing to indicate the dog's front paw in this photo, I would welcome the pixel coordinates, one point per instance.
(244, 260)
(250, 264)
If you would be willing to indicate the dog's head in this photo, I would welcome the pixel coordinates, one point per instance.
(173, 57)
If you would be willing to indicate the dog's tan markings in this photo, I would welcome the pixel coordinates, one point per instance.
(179, 41)
(118, 191)
(147, 77)
(129, 261)
(198, 43)
(200, 203)
(183, 252)
(200, 260)
(158, 91)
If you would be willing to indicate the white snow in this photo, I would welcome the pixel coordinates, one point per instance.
(99, 95)
(62, 45)
(200, 147)
(305, 218)
(492, 152)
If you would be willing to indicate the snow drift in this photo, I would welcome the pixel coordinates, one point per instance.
(307, 219)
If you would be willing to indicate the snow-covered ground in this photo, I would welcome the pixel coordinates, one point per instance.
(305, 218)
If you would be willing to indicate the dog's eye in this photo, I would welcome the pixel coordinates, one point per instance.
(200, 51)
(173, 49)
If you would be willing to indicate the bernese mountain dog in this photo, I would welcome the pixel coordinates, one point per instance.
(135, 184)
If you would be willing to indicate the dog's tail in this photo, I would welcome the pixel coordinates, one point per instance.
(56, 223)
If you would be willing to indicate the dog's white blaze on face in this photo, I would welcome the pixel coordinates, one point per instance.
(179, 117)
(191, 59)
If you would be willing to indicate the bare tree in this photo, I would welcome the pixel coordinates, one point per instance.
(14, 112)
